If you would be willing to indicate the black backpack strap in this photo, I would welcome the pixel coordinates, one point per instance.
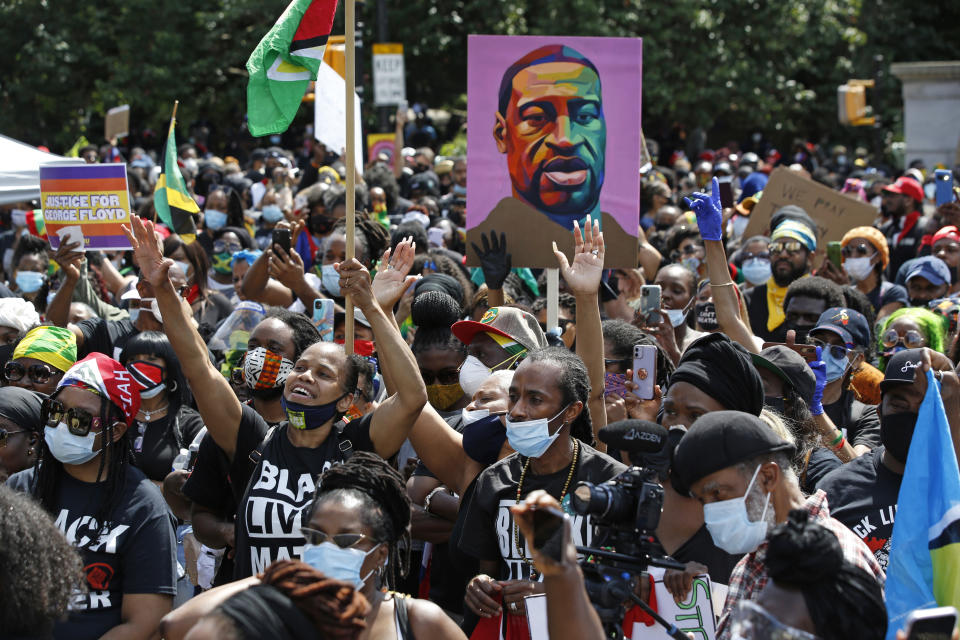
(343, 443)
(403, 616)
(257, 454)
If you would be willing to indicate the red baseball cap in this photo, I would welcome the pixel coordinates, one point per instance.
(906, 186)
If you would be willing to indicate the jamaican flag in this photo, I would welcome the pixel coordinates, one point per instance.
(175, 207)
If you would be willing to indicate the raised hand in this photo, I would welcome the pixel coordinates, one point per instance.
(709, 212)
(392, 281)
(820, 372)
(148, 251)
(584, 275)
(285, 267)
(355, 282)
(69, 259)
(494, 259)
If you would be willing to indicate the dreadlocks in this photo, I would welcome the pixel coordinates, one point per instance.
(49, 471)
(372, 237)
(386, 507)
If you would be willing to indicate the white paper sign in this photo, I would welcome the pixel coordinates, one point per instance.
(330, 114)
(694, 616)
(389, 78)
(537, 616)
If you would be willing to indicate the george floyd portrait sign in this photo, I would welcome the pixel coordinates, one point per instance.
(553, 135)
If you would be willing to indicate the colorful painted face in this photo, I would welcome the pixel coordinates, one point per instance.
(554, 136)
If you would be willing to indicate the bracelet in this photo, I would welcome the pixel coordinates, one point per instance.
(724, 284)
(426, 501)
(839, 438)
(842, 441)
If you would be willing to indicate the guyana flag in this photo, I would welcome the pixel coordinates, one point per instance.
(175, 207)
(924, 563)
(285, 62)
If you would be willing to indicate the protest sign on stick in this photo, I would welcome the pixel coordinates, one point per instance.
(117, 122)
(88, 201)
(555, 125)
(835, 213)
(353, 135)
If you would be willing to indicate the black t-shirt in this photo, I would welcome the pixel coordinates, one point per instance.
(700, 548)
(488, 528)
(887, 292)
(862, 494)
(822, 462)
(137, 554)
(155, 445)
(281, 485)
(858, 421)
(106, 336)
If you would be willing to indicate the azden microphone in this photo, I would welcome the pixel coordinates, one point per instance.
(634, 436)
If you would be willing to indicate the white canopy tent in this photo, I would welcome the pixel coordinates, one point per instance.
(20, 169)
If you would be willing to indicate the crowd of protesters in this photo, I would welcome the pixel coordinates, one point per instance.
(190, 457)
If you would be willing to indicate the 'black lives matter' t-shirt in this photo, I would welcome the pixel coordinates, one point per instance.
(281, 485)
(137, 554)
(862, 494)
(488, 527)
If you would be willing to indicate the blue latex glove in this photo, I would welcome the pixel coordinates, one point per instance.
(820, 371)
(709, 212)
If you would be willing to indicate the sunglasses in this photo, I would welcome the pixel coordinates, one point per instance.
(835, 350)
(38, 373)
(793, 247)
(912, 339)
(79, 421)
(445, 377)
(763, 255)
(862, 250)
(4, 434)
(342, 540)
(221, 247)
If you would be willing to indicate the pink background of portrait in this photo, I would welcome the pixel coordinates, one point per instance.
(619, 62)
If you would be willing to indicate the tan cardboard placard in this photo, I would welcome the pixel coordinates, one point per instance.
(117, 123)
(835, 213)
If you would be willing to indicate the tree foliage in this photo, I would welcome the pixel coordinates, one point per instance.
(728, 66)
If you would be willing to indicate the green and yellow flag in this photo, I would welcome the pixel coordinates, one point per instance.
(175, 207)
(285, 62)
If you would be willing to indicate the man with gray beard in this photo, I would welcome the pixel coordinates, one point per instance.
(739, 469)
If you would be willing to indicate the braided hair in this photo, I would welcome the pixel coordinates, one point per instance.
(844, 601)
(433, 313)
(574, 384)
(336, 608)
(386, 507)
(372, 237)
(48, 471)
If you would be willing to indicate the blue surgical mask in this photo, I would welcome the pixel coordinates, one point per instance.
(67, 447)
(677, 316)
(213, 219)
(337, 563)
(458, 190)
(740, 225)
(330, 278)
(756, 271)
(692, 263)
(531, 438)
(272, 213)
(184, 266)
(29, 281)
(836, 367)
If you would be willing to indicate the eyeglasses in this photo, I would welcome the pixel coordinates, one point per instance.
(911, 340)
(342, 540)
(862, 250)
(792, 247)
(79, 421)
(444, 377)
(763, 255)
(4, 434)
(38, 373)
(222, 247)
(836, 351)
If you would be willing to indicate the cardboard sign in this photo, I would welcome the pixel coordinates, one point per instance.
(694, 616)
(389, 79)
(88, 201)
(117, 123)
(555, 125)
(835, 213)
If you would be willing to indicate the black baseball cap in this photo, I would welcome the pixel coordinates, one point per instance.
(721, 439)
(902, 368)
(789, 366)
(850, 325)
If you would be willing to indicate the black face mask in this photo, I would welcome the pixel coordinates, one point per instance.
(774, 403)
(706, 316)
(896, 432)
(320, 223)
(925, 304)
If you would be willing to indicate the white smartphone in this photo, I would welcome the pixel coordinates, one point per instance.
(435, 234)
(644, 370)
(931, 624)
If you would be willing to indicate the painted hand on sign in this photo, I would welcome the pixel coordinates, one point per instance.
(709, 212)
(495, 262)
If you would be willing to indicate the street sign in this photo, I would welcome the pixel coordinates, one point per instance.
(389, 80)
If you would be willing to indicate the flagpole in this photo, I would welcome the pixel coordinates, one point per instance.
(351, 161)
(173, 116)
